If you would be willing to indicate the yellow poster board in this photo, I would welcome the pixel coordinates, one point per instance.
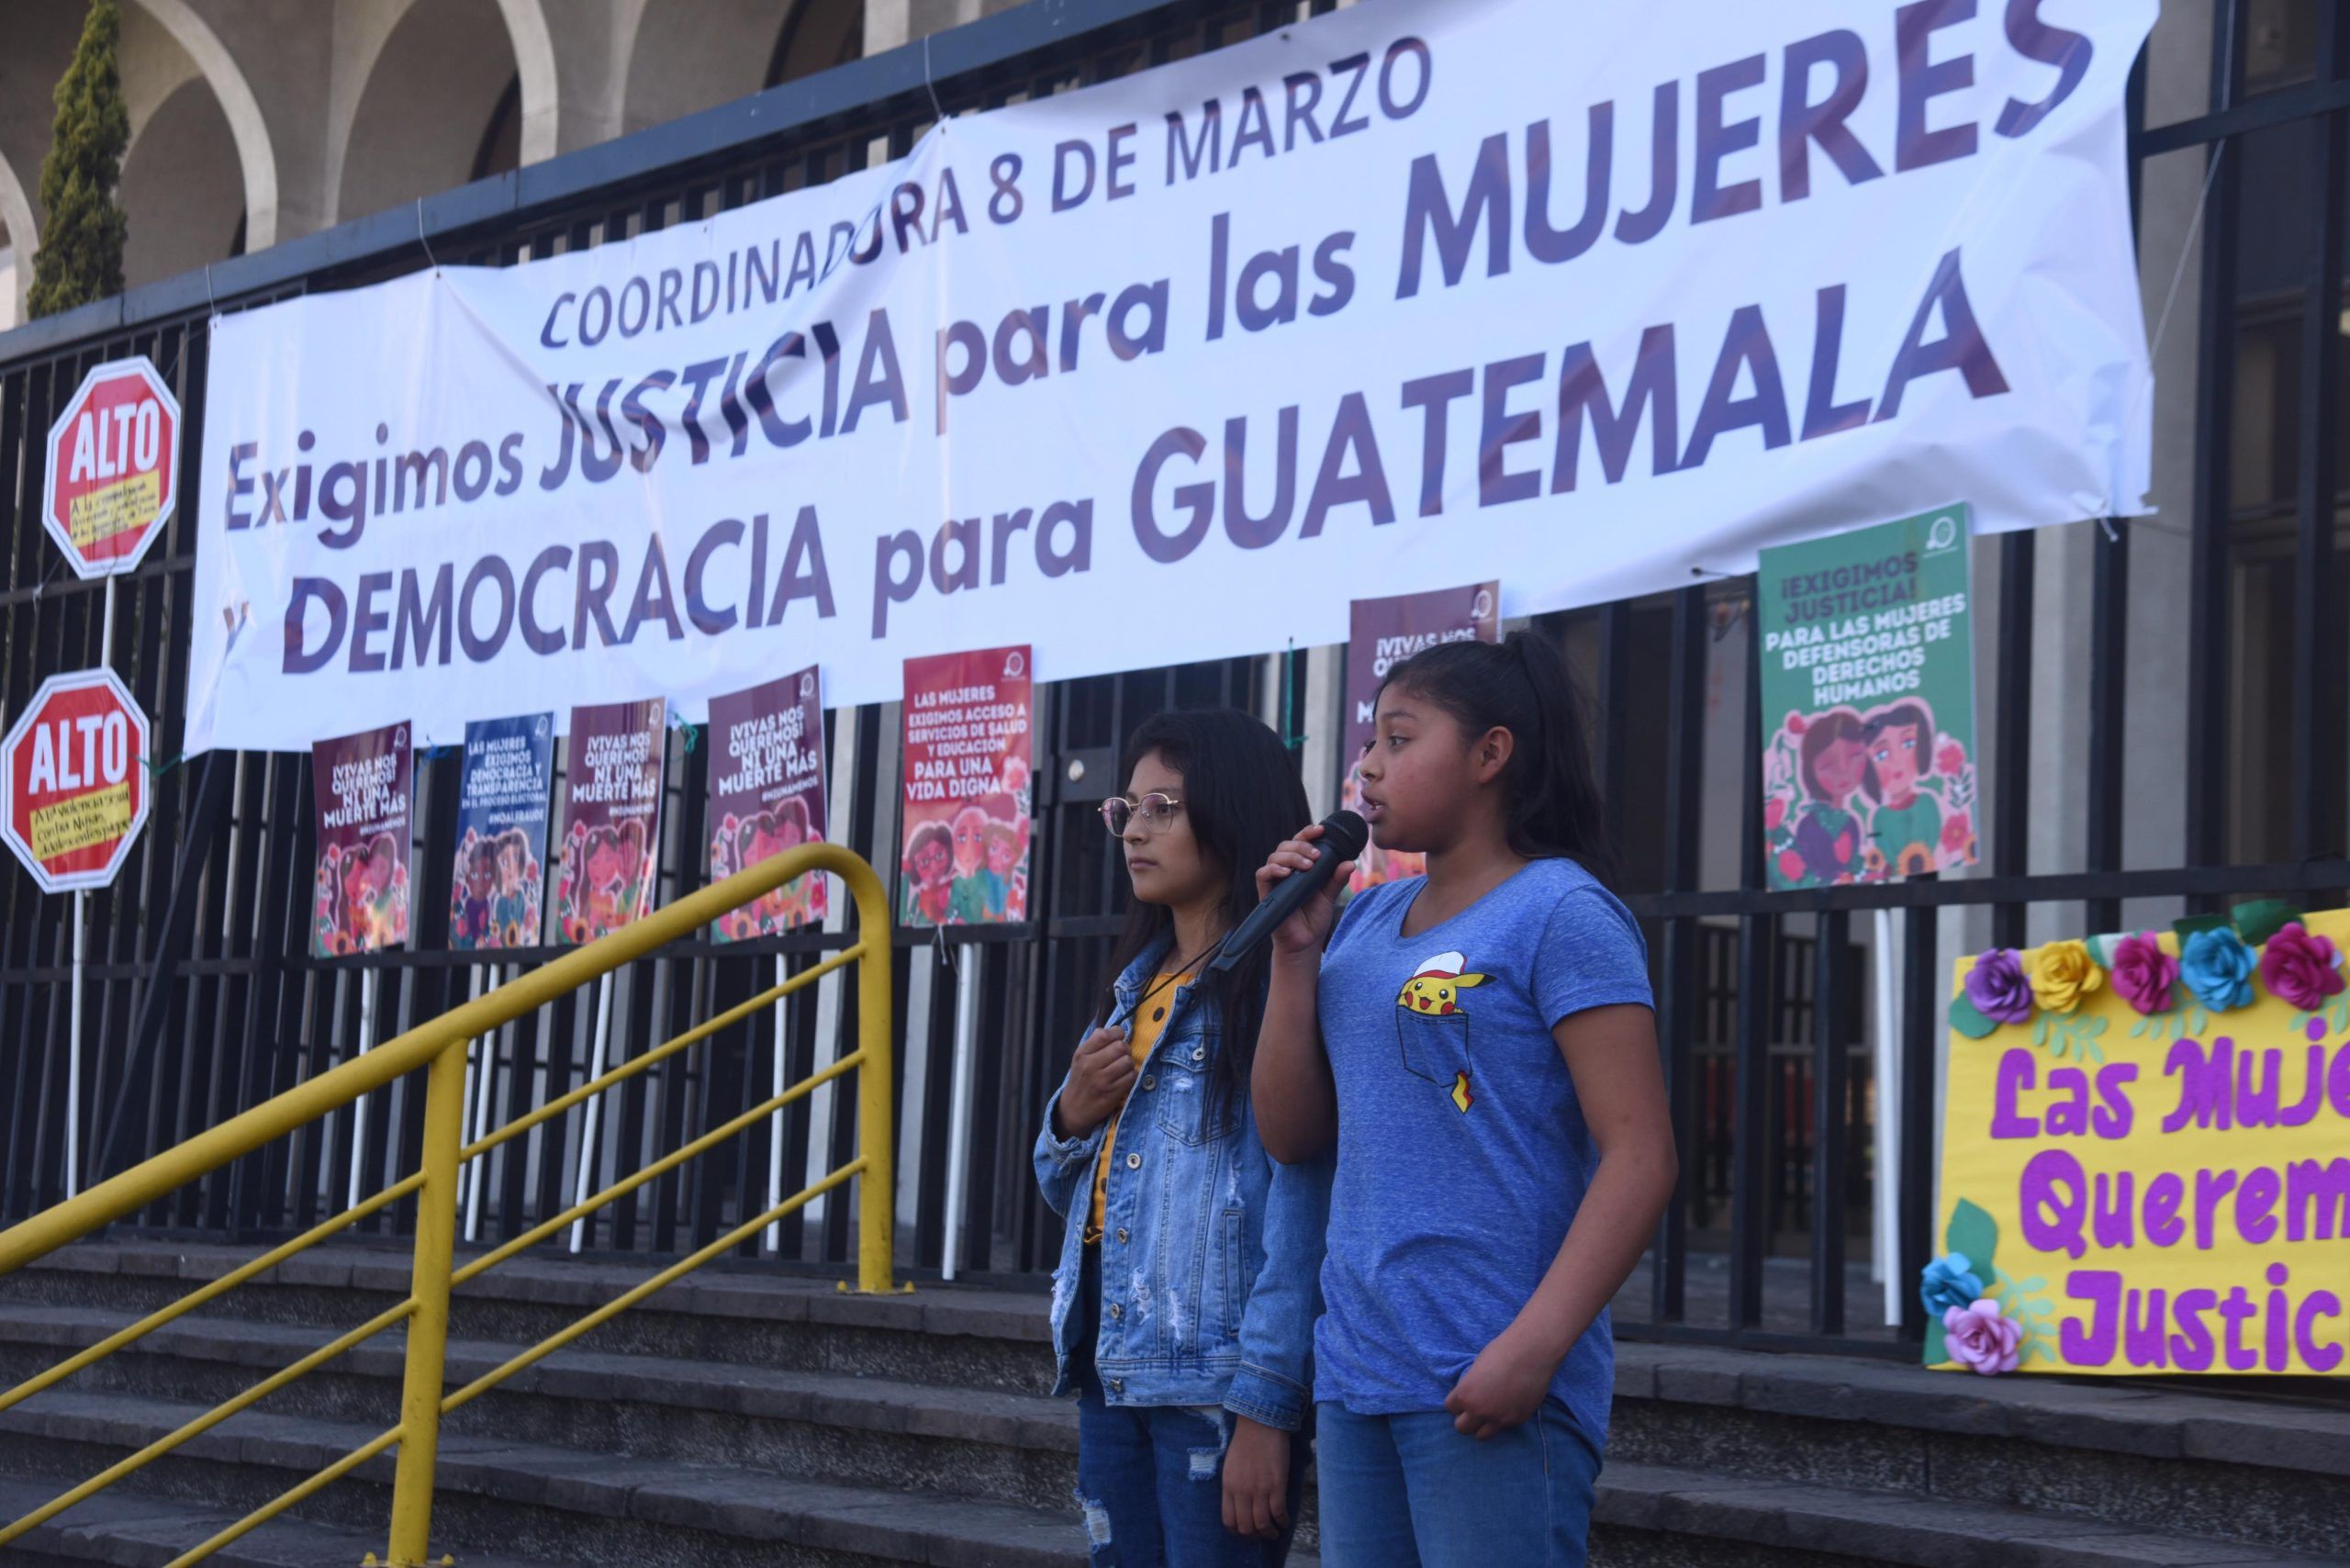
(2155, 1177)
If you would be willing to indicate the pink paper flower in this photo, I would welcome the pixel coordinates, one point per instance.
(1957, 834)
(1791, 865)
(1951, 759)
(2300, 967)
(1980, 1338)
(2144, 974)
(1775, 812)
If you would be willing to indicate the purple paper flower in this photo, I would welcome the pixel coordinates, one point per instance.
(2144, 973)
(1980, 1338)
(1998, 988)
(2300, 967)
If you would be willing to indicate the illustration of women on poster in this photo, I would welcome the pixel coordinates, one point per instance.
(1905, 822)
(1865, 797)
(514, 907)
(930, 876)
(605, 878)
(361, 903)
(1822, 839)
(493, 898)
(744, 842)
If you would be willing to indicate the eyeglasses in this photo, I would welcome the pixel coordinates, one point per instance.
(1153, 811)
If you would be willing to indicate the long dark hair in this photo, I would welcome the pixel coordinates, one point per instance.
(1522, 684)
(1242, 797)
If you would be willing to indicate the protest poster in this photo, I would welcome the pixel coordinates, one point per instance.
(497, 887)
(611, 832)
(1382, 634)
(2143, 1141)
(969, 751)
(361, 786)
(1412, 293)
(766, 796)
(1868, 703)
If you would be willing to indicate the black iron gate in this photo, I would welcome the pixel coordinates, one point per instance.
(201, 997)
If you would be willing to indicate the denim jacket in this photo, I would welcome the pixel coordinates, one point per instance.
(1211, 1249)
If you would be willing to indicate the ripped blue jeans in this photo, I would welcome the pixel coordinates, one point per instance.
(1151, 1478)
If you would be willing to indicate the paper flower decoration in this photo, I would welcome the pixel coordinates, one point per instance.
(1949, 1281)
(2062, 973)
(2300, 967)
(2217, 967)
(1980, 1337)
(1996, 987)
(2144, 975)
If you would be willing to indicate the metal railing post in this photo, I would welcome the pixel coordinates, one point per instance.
(428, 1327)
(877, 1194)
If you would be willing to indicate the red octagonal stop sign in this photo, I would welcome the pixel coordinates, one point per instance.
(73, 781)
(113, 459)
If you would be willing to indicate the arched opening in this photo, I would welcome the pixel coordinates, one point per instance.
(428, 119)
(165, 44)
(501, 139)
(818, 35)
(675, 70)
(181, 188)
(18, 240)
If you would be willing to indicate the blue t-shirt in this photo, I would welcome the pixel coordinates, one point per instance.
(1463, 1150)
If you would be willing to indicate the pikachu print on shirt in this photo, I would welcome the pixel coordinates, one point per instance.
(1433, 1026)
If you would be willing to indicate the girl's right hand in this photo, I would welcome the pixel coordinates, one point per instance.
(1309, 928)
(1099, 1079)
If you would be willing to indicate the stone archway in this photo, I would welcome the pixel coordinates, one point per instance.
(181, 189)
(739, 47)
(23, 238)
(432, 89)
(256, 161)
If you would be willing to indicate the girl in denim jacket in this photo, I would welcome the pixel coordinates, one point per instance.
(1183, 1307)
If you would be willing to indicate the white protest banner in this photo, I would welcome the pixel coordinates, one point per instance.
(1588, 300)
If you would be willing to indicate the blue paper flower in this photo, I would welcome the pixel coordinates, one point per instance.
(1949, 1281)
(2218, 968)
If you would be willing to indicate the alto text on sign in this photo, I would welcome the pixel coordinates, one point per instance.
(112, 456)
(73, 774)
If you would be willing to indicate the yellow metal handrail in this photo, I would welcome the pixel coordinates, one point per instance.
(439, 1047)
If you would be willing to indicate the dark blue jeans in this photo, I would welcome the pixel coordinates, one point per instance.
(1151, 1478)
(1412, 1492)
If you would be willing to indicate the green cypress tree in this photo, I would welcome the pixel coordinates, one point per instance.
(79, 258)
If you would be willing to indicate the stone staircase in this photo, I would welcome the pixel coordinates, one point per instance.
(745, 1417)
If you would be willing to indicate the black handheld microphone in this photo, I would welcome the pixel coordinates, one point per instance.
(1343, 836)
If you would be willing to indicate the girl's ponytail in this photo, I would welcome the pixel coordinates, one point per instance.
(1523, 685)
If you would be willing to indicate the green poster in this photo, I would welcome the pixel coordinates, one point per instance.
(1868, 703)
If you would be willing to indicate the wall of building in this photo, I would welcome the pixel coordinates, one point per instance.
(253, 121)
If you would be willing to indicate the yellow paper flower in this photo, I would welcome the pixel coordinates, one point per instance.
(2062, 973)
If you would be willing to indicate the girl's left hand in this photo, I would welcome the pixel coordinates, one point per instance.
(1504, 1386)
(1255, 1479)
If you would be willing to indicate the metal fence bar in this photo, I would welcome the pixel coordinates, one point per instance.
(2318, 664)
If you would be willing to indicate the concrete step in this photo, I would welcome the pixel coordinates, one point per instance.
(817, 1426)
(2264, 1472)
(852, 1386)
(942, 1393)
(137, 1531)
(539, 1502)
(759, 1316)
(1644, 1511)
(559, 1505)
